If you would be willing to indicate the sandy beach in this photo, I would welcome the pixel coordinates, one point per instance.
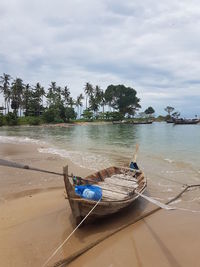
(35, 218)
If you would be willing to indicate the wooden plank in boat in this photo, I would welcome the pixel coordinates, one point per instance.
(120, 182)
(112, 195)
(124, 177)
(115, 188)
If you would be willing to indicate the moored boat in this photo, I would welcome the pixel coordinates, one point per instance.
(186, 121)
(142, 122)
(120, 187)
(170, 121)
(133, 122)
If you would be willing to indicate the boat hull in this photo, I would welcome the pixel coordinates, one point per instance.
(81, 207)
(184, 122)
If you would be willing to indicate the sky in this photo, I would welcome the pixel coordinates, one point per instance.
(151, 46)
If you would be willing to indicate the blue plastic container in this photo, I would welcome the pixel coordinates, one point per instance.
(91, 192)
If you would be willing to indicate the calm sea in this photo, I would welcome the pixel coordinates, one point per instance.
(169, 154)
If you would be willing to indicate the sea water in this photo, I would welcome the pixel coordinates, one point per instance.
(169, 154)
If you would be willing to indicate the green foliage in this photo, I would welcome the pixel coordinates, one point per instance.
(59, 114)
(169, 110)
(2, 122)
(108, 115)
(149, 111)
(70, 114)
(176, 115)
(17, 89)
(5, 88)
(30, 120)
(34, 121)
(87, 114)
(122, 98)
(160, 118)
(11, 119)
(59, 105)
(116, 116)
(35, 107)
(22, 121)
(52, 115)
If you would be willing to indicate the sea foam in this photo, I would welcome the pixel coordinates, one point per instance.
(83, 159)
(19, 140)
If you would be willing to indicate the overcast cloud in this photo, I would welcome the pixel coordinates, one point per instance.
(151, 46)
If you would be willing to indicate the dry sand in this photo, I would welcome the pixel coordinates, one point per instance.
(35, 218)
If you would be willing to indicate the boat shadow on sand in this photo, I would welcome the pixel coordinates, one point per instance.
(94, 233)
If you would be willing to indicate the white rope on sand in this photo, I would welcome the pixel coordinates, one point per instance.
(164, 206)
(54, 253)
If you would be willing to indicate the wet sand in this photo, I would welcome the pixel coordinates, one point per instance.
(35, 219)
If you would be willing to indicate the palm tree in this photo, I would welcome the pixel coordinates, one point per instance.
(65, 93)
(51, 95)
(39, 94)
(42, 94)
(79, 102)
(95, 99)
(88, 89)
(17, 90)
(71, 102)
(5, 89)
(58, 94)
(102, 101)
(93, 104)
(26, 99)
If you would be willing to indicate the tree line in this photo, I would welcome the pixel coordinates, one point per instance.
(55, 103)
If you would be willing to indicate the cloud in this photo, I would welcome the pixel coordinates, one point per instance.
(149, 45)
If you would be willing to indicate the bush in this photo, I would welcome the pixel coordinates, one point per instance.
(116, 116)
(51, 115)
(34, 121)
(1, 120)
(69, 114)
(11, 119)
(23, 120)
(59, 114)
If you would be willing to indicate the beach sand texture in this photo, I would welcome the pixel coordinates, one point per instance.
(35, 218)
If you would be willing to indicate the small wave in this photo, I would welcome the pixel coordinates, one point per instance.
(166, 185)
(83, 159)
(171, 172)
(19, 140)
(169, 190)
(169, 160)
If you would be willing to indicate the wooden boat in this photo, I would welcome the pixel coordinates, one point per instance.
(186, 121)
(170, 121)
(141, 122)
(133, 122)
(119, 185)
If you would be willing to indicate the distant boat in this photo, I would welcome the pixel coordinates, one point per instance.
(133, 122)
(120, 187)
(142, 122)
(170, 121)
(186, 121)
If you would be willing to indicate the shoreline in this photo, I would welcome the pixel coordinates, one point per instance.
(35, 218)
(62, 124)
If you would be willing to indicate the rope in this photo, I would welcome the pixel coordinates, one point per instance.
(54, 253)
(77, 254)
